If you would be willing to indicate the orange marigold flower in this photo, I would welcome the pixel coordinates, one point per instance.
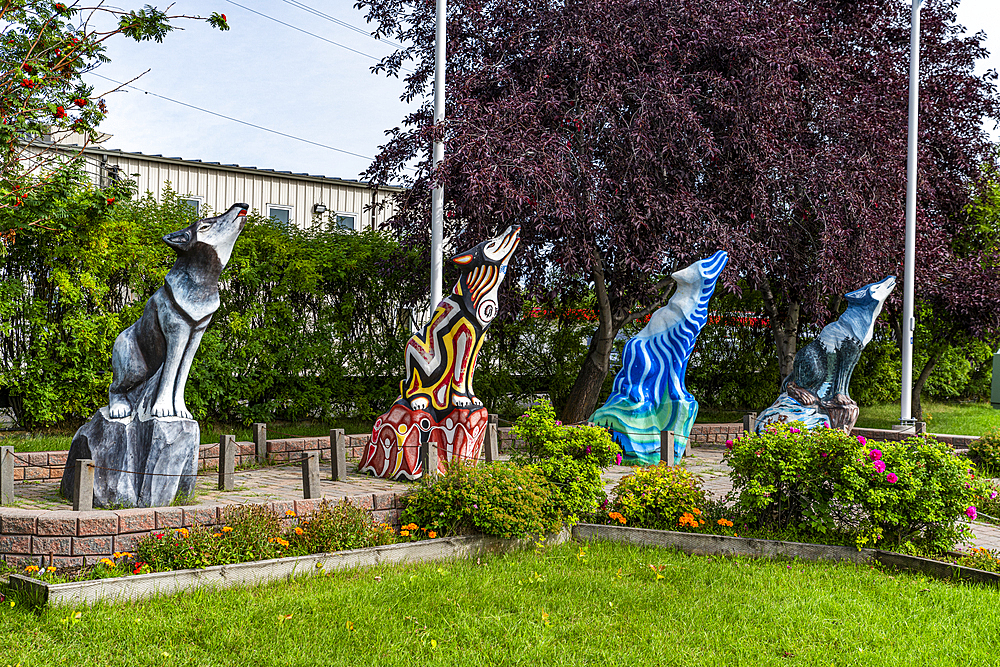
(298, 531)
(289, 513)
(431, 534)
(404, 533)
(216, 534)
(227, 529)
(697, 511)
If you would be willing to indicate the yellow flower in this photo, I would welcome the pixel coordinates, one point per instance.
(117, 554)
(183, 531)
(227, 529)
(298, 531)
(431, 534)
(216, 534)
(107, 561)
(289, 513)
(31, 568)
(282, 542)
(404, 533)
(411, 526)
(50, 568)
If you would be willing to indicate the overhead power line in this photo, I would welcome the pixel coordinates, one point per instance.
(311, 34)
(333, 19)
(235, 120)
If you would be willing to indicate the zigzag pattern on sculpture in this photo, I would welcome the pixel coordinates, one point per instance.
(649, 394)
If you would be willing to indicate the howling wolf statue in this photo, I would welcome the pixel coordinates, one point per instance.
(815, 392)
(436, 402)
(649, 395)
(144, 444)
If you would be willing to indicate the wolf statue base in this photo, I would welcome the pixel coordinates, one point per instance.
(815, 392)
(436, 403)
(144, 444)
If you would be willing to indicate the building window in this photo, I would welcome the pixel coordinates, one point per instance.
(193, 203)
(282, 214)
(346, 220)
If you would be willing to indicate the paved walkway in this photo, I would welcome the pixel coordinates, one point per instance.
(275, 483)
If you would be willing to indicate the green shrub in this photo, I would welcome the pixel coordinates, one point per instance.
(824, 480)
(986, 450)
(658, 497)
(570, 457)
(337, 528)
(499, 499)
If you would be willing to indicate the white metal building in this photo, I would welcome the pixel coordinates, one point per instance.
(296, 199)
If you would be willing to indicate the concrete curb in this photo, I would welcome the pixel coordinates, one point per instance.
(256, 572)
(695, 544)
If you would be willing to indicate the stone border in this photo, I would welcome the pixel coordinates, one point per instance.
(67, 538)
(697, 544)
(257, 572)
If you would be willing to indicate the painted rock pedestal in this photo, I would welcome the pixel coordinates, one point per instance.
(437, 404)
(649, 395)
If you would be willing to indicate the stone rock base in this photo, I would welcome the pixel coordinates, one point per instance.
(139, 462)
(394, 449)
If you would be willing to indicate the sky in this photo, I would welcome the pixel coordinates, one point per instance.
(278, 77)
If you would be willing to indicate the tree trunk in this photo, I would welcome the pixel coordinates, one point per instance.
(918, 386)
(785, 330)
(582, 400)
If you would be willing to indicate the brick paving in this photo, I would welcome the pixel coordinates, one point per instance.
(282, 483)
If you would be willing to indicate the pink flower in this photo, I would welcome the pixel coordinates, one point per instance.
(862, 440)
(794, 430)
(891, 478)
(823, 454)
(558, 423)
(880, 466)
(618, 459)
(588, 449)
(971, 512)
(993, 496)
(826, 424)
(729, 444)
(875, 454)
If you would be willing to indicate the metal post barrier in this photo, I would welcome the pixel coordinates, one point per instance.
(492, 443)
(227, 462)
(920, 428)
(338, 455)
(667, 447)
(310, 476)
(260, 442)
(749, 423)
(6, 475)
(429, 459)
(83, 485)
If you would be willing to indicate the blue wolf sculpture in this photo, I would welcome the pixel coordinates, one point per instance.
(649, 395)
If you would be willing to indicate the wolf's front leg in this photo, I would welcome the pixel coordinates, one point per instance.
(185, 368)
(176, 333)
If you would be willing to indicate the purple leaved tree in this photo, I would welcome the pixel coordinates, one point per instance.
(630, 137)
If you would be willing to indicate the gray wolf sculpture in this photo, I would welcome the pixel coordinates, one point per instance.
(815, 392)
(167, 335)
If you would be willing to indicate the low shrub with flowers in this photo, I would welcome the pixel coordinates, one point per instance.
(915, 492)
(570, 457)
(661, 497)
(255, 532)
(986, 451)
(500, 499)
(987, 500)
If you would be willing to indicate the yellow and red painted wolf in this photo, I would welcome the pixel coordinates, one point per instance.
(437, 403)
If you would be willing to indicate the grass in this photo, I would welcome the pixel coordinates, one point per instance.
(53, 440)
(603, 604)
(953, 418)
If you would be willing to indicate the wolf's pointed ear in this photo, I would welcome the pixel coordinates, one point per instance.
(180, 240)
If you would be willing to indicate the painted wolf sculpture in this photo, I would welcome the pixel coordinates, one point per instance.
(649, 395)
(816, 391)
(436, 402)
(146, 427)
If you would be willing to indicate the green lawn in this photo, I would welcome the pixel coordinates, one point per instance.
(600, 604)
(954, 418)
(56, 440)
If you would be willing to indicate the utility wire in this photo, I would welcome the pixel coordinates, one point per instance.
(235, 120)
(333, 19)
(311, 34)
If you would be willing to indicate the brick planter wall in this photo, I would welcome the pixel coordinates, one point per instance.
(70, 538)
